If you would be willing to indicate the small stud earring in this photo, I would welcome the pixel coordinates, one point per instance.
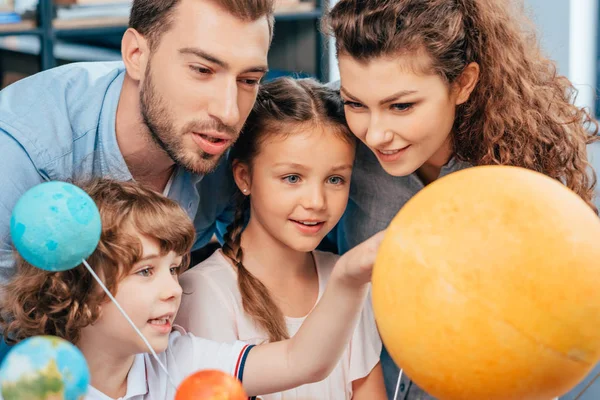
(245, 190)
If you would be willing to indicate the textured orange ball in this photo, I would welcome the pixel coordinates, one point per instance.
(210, 385)
(487, 286)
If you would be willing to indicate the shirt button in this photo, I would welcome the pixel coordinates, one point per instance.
(402, 387)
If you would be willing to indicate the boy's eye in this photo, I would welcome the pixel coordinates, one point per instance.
(145, 272)
(336, 180)
(292, 179)
(175, 270)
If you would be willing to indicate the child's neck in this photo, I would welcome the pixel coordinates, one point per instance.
(108, 370)
(289, 275)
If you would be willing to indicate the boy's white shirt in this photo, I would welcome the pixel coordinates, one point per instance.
(185, 355)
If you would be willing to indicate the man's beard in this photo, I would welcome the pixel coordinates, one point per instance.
(156, 117)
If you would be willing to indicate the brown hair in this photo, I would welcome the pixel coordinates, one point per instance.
(38, 302)
(520, 112)
(152, 18)
(281, 105)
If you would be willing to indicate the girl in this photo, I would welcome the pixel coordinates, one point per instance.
(143, 247)
(434, 86)
(292, 164)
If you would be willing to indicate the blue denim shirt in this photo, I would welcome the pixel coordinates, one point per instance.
(375, 198)
(60, 125)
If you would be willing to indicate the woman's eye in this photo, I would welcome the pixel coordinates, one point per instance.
(352, 104)
(402, 106)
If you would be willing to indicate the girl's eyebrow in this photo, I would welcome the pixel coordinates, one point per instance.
(290, 164)
(301, 166)
(342, 167)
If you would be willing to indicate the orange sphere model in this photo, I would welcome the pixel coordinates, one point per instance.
(210, 385)
(487, 286)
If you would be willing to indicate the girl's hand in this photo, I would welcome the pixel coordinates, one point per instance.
(356, 266)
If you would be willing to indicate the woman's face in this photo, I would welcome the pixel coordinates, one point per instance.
(403, 115)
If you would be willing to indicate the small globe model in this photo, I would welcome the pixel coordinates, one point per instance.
(55, 225)
(44, 368)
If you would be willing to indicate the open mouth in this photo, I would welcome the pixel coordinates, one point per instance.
(212, 139)
(163, 324)
(308, 226)
(391, 155)
(160, 321)
(210, 144)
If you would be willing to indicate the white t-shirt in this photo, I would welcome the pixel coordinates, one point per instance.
(185, 355)
(212, 308)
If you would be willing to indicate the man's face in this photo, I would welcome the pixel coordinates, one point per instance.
(201, 82)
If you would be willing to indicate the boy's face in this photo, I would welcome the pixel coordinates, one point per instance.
(150, 295)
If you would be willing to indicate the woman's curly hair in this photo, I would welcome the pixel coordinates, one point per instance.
(521, 111)
(38, 302)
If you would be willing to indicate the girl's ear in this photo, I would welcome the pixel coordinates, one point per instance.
(241, 174)
(466, 82)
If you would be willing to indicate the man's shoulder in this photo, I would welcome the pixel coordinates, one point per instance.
(53, 84)
(47, 112)
(66, 92)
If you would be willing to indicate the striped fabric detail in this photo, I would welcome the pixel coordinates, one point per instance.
(241, 363)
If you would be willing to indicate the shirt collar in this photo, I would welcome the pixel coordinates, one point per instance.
(137, 382)
(112, 162)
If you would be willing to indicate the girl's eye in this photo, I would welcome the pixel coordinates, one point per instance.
(402, 106)
(292, 179)
(145, 272)
(336, 180)
(175, 270)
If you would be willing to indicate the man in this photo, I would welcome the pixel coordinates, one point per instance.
(164, 117)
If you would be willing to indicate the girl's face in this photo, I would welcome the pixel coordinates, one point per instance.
(403, 116)
(150, 295)
(299, 185)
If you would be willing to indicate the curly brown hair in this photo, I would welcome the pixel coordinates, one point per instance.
(520, 112)
(38, 302)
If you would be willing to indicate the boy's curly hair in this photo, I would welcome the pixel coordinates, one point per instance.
(38, 302)
(520, 112)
